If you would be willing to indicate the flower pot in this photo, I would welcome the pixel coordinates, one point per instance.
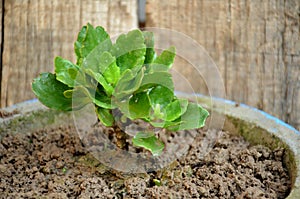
(254, 125)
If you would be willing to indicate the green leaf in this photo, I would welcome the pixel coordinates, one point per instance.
(166, 57)
(153, 67)
(105, 60)
(175, 109)
(101, 80)
(102, 100)
(157, 113)
(105, 116)
(128, 83)
(149, 141)
(79, 97)
(66, 72)
(149, 42)
(139, 106)
(157, 182)
(72, 72)
(165, 124)
(194, 117)
(50, 92)
(95, 62)
(82, 95)
(163, 79)
(112, 74)
(68, 93)
(167, 116)
(161, 95)
(110, 70)
(79, 43)
(129, 50)
(91, 39)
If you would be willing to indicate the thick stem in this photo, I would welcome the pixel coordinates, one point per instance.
(121, 137)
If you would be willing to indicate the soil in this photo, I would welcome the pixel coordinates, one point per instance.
(54, 164)
(4, 114)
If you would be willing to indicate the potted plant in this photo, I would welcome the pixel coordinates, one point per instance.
(130, 93)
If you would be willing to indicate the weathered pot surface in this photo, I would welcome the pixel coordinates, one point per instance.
(255, 126)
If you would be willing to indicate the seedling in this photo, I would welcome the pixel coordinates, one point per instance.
(157, 182)
(64, 170)
(125, 77)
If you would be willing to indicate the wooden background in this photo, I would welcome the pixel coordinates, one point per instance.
(255, 44)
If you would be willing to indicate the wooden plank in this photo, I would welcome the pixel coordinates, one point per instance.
(255, 45)
(1, 15)
(37, 31)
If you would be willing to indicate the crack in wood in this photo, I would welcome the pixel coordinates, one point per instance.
(2, 43)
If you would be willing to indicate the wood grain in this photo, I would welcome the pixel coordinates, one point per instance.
(37, 31)
(255, 45)
(1, 13)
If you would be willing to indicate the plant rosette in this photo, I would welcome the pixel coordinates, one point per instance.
(123, 84)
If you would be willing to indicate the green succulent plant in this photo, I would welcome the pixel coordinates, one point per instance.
(126, 76)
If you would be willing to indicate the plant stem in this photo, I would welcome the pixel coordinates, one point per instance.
(121, 137)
